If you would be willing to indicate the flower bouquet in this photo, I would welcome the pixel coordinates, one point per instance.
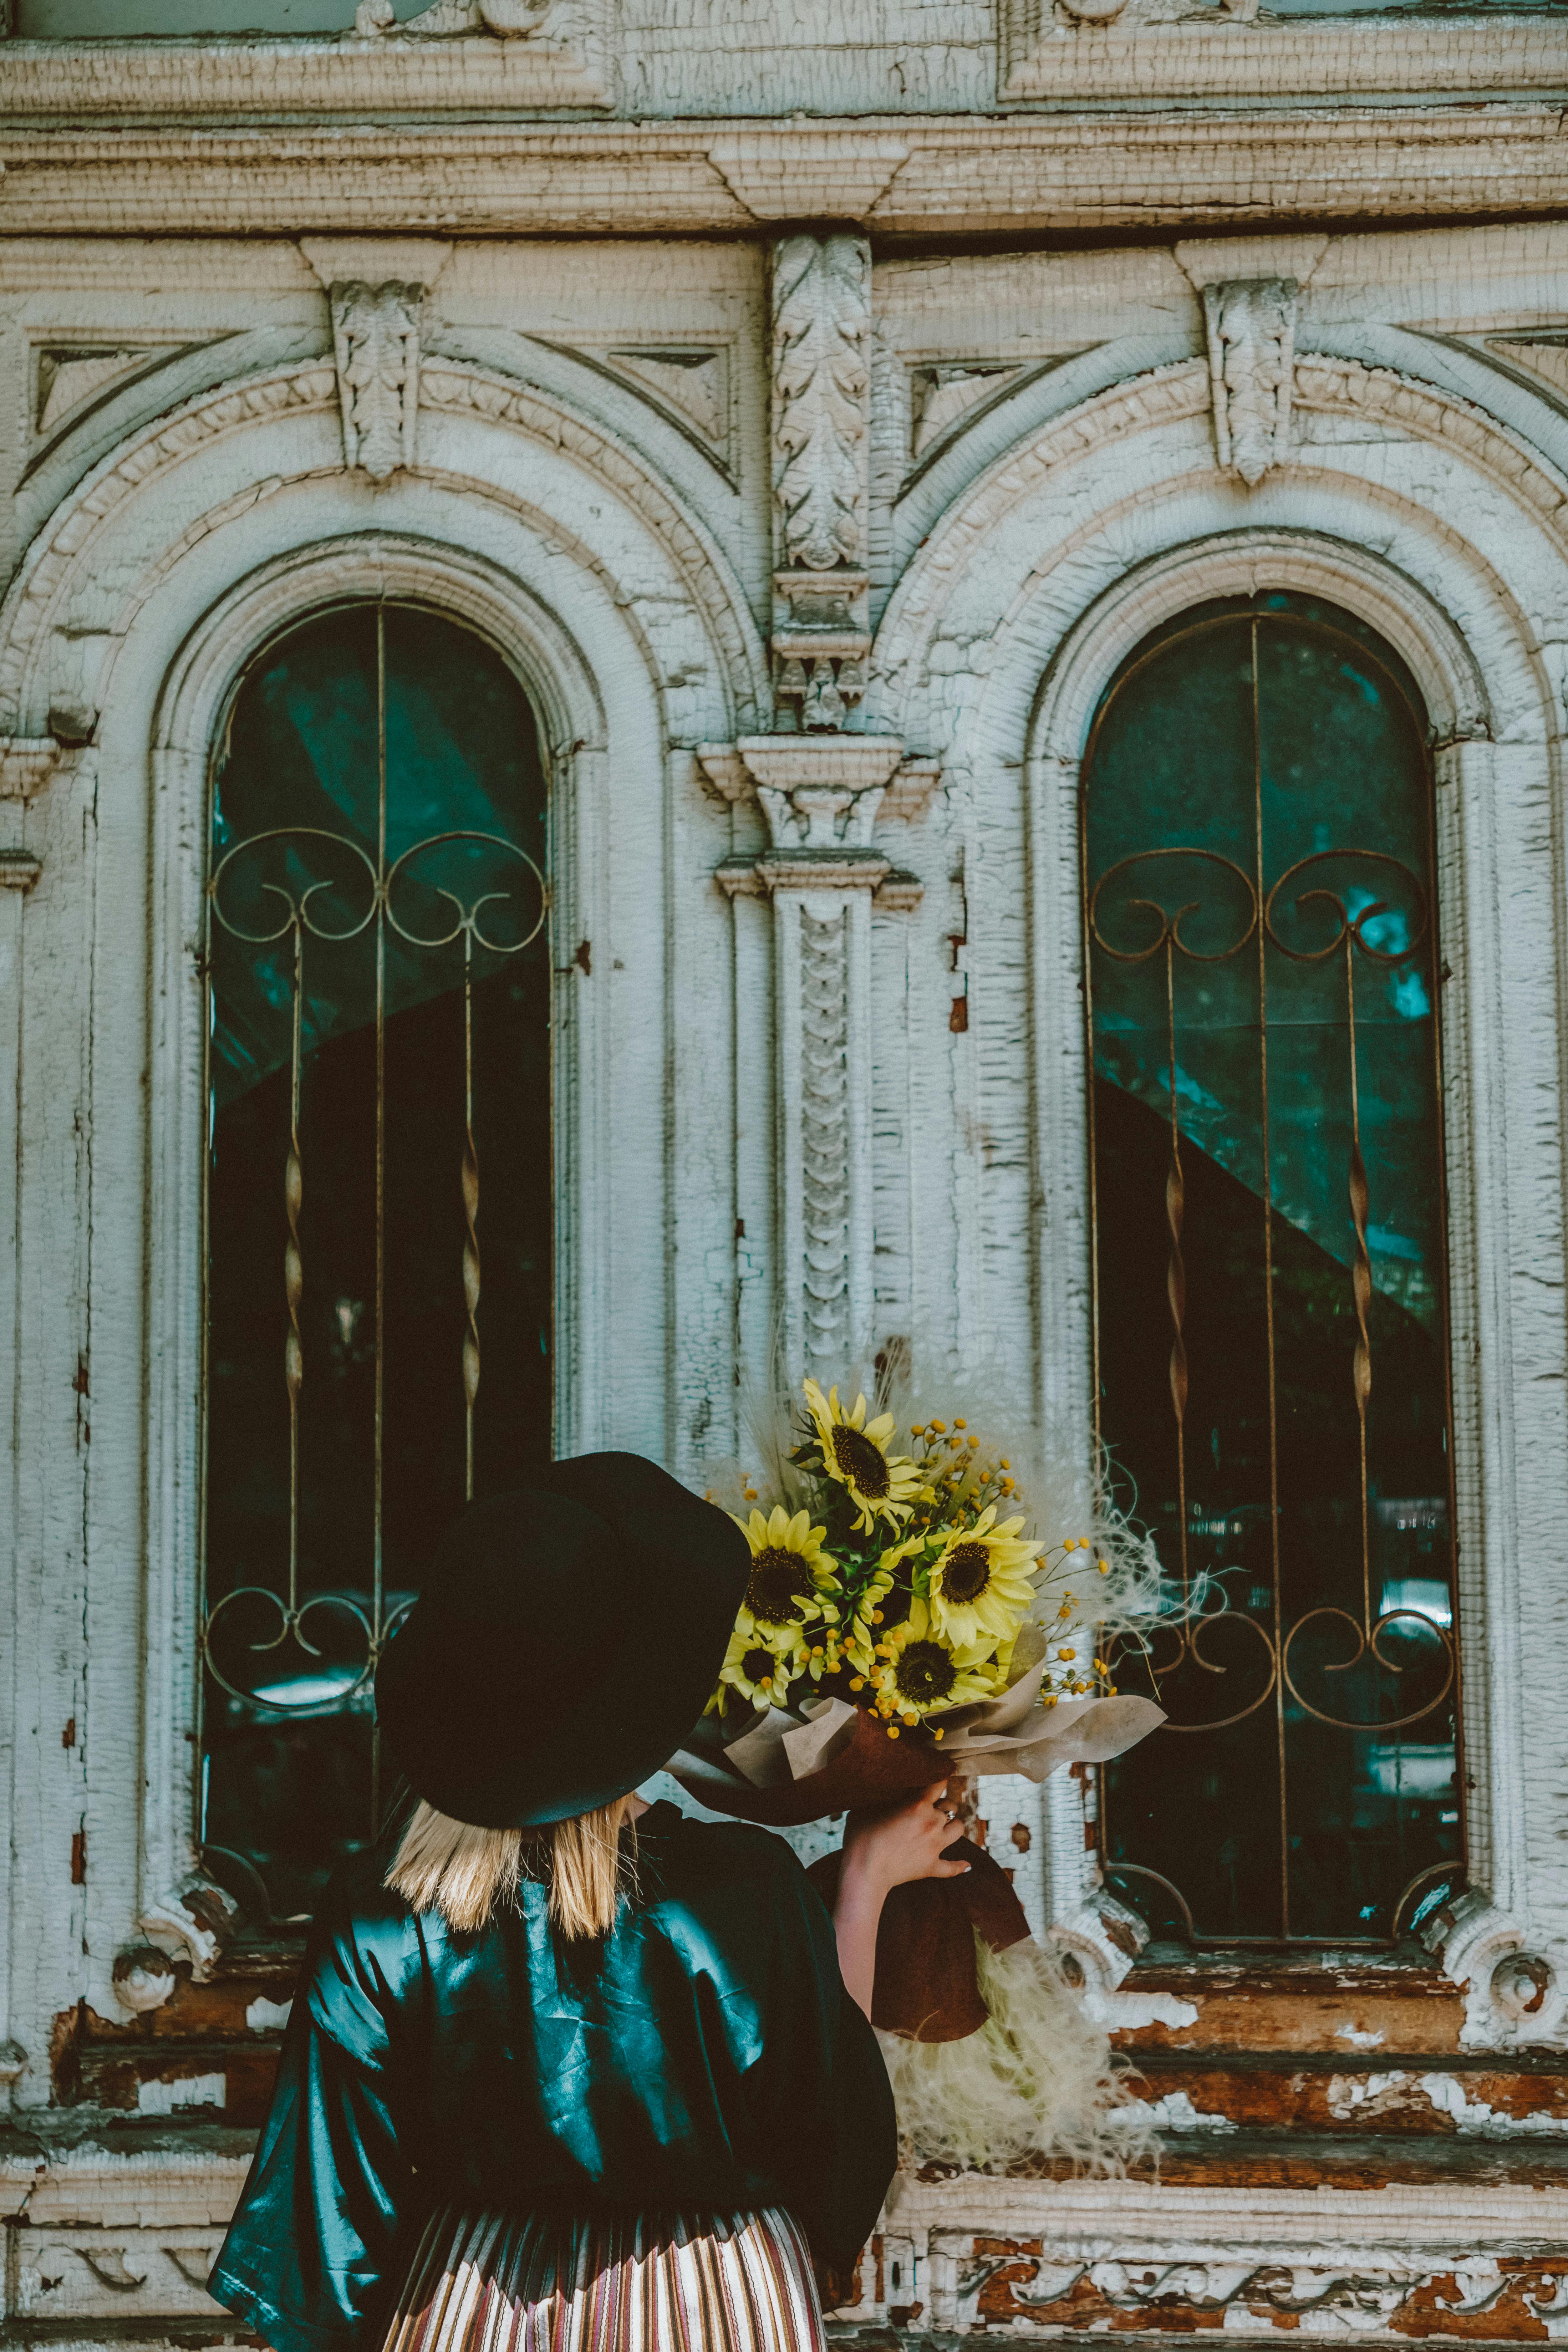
(921, 1599)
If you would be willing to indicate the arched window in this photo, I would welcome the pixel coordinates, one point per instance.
(1271, 1353)
(378, 1204)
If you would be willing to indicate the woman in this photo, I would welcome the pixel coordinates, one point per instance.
(552, 2079)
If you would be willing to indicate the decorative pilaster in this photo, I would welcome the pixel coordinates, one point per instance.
(821, 393)
(820, 870)
(1251, 325)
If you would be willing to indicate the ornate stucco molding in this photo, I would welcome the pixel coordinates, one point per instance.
(375, 342)
(1170, 398)
(29, 762)
(1251, 325)
(821, 440)
(1515, 1996)
(819, 796)
(64, 548)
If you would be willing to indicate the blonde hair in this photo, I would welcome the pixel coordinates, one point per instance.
(468, 1874)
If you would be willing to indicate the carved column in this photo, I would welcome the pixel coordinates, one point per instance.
(821, 391)
(821, 872)
(1251, 328)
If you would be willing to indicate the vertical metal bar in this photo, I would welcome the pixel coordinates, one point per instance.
(375, 1604)
(1091, 1138)
(294, 1274)
(1361, 1283)
(1175, 1271)
(1275, 1571)
(470, 1219)
(1438, 969)
(200, 1776)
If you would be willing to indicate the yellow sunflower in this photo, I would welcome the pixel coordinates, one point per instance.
(760, 1676)
(883, 1485)
(980, 1581)
(919, 1674)
(791, 1574)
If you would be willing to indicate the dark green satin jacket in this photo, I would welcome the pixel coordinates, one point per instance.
(704, 2057)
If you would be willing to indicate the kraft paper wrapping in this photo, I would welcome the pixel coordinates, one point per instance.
(797, 1766)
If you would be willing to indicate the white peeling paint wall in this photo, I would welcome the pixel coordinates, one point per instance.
(1063, 496)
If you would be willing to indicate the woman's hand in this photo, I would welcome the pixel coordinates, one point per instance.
(891, 1844)
(885, 1847)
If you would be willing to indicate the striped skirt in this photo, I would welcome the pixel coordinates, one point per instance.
(495, 2282)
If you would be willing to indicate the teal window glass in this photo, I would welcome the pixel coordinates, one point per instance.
(1271, 1353)
(378, 1200)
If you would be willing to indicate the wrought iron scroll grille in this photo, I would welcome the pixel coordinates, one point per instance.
(1309, 1669)
(335, 932)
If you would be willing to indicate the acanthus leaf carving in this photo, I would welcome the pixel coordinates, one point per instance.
(375, 342)
(822, 324)
(1251, 326)
(822, 319)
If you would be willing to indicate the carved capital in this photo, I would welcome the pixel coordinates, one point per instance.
(817, 792)
(820, 796)
(375, 344)
(1251, 324)
(19, 869)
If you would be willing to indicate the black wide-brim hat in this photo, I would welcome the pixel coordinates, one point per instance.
(567, 1638)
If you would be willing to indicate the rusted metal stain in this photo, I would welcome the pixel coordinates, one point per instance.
(1377, 2012)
